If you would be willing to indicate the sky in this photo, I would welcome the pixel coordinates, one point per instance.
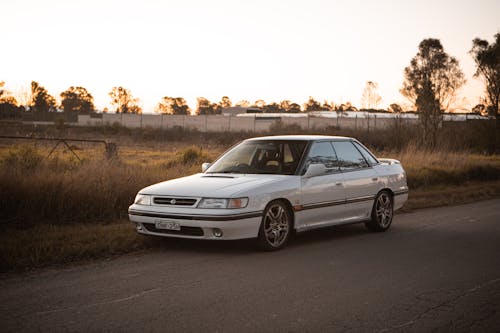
(247, 50)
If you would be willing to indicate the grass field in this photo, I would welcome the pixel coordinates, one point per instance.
(58, 209)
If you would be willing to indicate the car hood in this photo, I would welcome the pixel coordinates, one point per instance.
(212, 185)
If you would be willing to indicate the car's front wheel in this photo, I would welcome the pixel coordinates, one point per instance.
(382, 212)
(275, 227)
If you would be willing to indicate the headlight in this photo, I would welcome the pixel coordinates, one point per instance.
(143, 199)
(223, 203)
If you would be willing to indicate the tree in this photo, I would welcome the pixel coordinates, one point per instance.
(243, 103)
(260, 103)
(77, 99)
(371, 98)
(8, 104)
(272, 108)
(225, 102)
(396, 108)
(430, 83)
(312, 105)
(206, 107)
(40, 100)
(289, 107)
(173, 105)
(487, 58)
(346, 107)
(479, 109)
(328, 106)
(124, 101)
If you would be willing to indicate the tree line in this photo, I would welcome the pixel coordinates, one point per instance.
(430, 83)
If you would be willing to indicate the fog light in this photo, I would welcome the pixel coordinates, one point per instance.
(139, 227)
(217, 232)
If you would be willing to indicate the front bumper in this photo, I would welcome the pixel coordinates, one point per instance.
(196, 226)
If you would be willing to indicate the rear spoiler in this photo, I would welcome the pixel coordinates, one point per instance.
(389, 161)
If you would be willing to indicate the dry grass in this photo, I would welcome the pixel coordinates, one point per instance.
(59, 210)
(428, 168)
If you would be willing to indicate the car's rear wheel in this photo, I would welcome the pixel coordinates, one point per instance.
(382, 212)
(275, 227)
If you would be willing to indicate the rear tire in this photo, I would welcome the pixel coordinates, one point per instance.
(382, 212)
(276, 226)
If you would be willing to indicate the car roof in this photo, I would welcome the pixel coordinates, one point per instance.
(300, 137)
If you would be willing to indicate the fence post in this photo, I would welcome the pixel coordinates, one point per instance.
(356, 123)
(229, 124)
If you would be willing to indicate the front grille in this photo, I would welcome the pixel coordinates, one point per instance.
(187, 231)
(171, 201)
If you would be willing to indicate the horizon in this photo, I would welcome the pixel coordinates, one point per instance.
(246, 51)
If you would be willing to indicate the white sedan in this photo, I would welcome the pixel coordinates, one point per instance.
(268, 187)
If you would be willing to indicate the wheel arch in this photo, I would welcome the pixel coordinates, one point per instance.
(288, 204)
(386, 189)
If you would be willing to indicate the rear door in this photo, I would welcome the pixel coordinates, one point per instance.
(360, 180)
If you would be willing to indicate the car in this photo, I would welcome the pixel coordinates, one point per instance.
(270, 187)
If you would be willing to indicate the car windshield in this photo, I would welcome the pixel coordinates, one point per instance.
(261, 157)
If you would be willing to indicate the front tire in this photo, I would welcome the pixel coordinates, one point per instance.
(275, 227)
(382, 212)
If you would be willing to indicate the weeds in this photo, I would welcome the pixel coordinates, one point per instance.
(59, 209)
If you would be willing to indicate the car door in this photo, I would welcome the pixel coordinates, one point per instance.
(360, 180)
(323, 197)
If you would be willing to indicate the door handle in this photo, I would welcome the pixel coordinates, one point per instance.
(338, 184)
(375, 179)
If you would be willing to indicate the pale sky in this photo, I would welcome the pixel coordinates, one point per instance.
(259, 49)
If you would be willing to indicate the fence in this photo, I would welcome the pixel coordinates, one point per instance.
(220, 123)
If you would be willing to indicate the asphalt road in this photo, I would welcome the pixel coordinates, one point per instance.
(435, 270)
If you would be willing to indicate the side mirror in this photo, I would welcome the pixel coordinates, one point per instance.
(205, 166)
(314, 170)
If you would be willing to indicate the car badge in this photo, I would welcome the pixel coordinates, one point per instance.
(172, 202)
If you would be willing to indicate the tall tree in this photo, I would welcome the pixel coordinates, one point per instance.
(124, 101)
(77, 99)
(371, 98)
(487, 58)
(173, 105)
(41, 100)
(430, 83)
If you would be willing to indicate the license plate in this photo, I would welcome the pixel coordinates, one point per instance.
(167, 225)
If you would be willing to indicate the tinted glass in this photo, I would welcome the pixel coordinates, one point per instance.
(366, 154)
(258, 157)
(322, 152)
(349, 157)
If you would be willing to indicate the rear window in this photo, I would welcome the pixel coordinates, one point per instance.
(349, 157)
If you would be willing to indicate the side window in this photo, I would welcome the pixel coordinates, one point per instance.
(366, 154)
(322, 152)
(349, 157)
